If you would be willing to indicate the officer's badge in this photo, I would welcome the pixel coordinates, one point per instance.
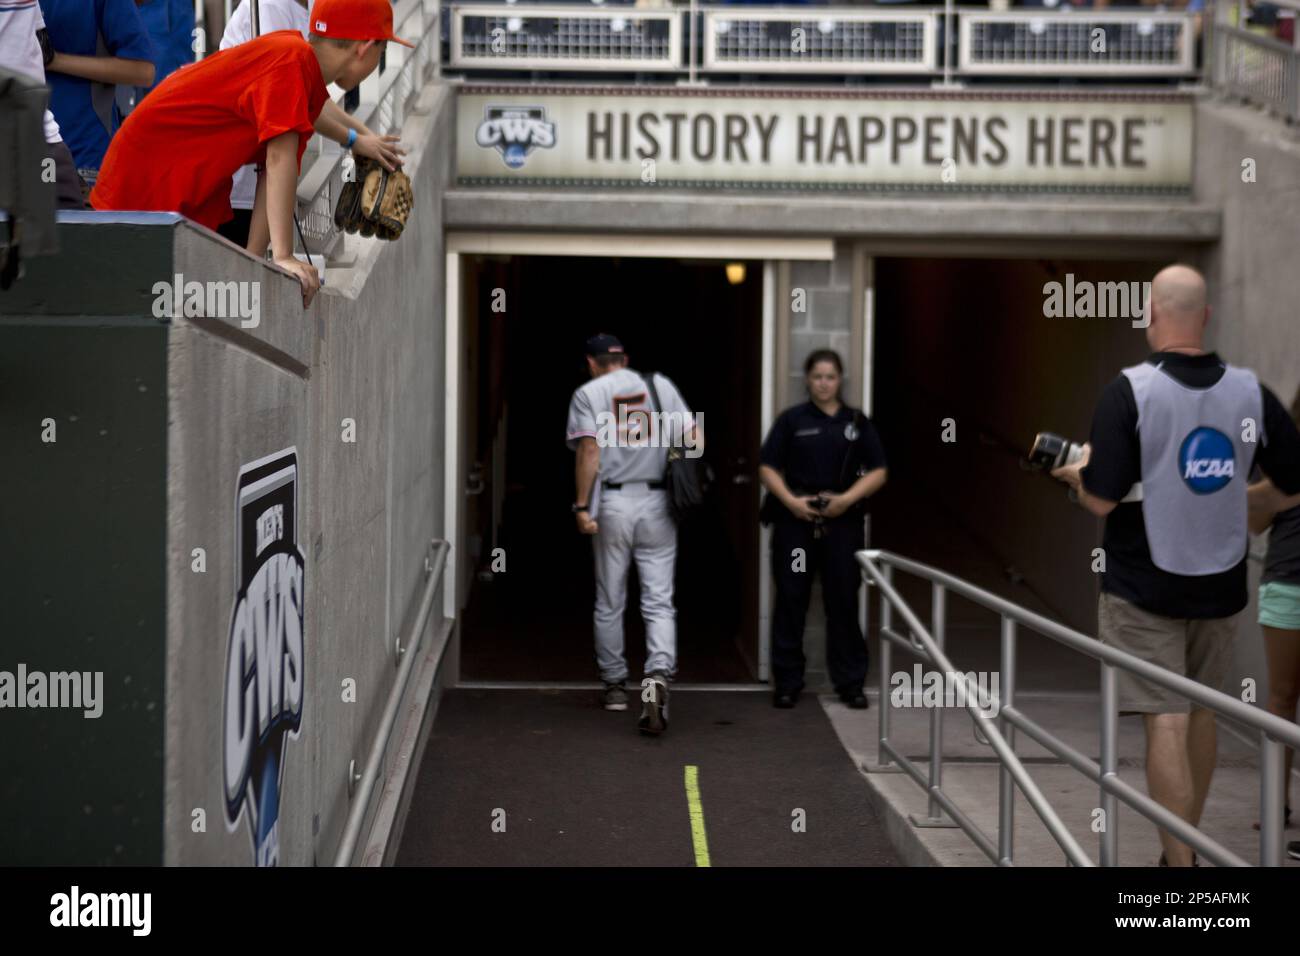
(850, 432)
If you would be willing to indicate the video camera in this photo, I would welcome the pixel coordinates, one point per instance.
(1051, 451)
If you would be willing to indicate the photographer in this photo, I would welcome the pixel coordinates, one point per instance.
(819, 463)
(1175, 575)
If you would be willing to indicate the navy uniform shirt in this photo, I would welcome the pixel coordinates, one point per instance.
(817, 452)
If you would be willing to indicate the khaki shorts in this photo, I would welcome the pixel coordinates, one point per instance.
(1197, 649)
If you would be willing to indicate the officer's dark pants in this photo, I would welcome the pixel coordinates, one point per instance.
(830, 556)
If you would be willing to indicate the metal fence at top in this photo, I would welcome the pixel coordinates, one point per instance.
(819, 41)
(1258, 68)
(385, 99)
(814, 40)
(1106, 43)
(555, 37)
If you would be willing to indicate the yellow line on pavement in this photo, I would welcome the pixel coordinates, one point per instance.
(698, 838)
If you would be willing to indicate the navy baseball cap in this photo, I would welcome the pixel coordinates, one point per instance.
(604, 344)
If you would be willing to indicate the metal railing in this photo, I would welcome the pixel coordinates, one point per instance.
(1260, 69)
(365, 782)
(385, 98)
(812, 40)
(1096, 43)
(1275, 734)
(817, 40)
(545, 37)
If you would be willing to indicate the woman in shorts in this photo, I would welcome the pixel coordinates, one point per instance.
(1279, 607)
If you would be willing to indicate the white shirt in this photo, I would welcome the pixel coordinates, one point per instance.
(21, 52)
(613, 409)
(272, 15)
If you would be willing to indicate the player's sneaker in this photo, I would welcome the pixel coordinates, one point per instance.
(614, 697)
(654, 705)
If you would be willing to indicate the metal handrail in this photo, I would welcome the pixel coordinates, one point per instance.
(434, 566)
(1261, 69)
(1275, 733)
(1006, 755)
(383, 109)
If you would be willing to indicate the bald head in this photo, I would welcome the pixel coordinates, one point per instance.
(1178, 310)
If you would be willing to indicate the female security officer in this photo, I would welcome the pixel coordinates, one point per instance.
(819, 463)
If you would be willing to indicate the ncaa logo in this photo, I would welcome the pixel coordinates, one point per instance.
(515, 131)
(1206, 460)
(264, 679)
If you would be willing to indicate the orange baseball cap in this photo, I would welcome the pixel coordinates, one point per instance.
(354, 20)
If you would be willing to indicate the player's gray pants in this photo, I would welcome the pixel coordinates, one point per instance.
(635, 523)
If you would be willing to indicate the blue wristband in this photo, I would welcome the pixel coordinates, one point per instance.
(352, 138)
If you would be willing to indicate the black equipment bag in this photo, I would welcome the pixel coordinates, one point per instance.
(686, 480)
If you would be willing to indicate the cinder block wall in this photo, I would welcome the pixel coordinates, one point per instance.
(824, 290)
(826, 322)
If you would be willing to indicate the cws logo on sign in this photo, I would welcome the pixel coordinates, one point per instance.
(264, 661)
(1206, 460)
(515, 131)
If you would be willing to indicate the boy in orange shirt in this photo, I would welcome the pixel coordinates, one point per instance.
(253, 103)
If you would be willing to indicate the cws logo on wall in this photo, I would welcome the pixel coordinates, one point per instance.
(264, 678)
(515, 131)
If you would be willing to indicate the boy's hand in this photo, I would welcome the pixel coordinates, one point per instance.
(382, 149)
(307, 275)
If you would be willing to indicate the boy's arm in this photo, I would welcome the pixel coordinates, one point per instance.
(334, 123)
(104, 69)
(259, 236)
(281, 195)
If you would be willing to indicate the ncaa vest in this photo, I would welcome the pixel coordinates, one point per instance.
(1195, 466)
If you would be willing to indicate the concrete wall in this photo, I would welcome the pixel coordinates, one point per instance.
(369, 350)
(1252, 269)
(966, 340)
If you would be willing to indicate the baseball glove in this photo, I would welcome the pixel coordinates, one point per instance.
(374, 203)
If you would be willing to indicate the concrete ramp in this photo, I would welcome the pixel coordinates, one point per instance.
(578, 786)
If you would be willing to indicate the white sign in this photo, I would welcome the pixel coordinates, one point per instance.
(988, 141)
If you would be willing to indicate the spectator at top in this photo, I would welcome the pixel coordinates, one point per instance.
(98, 44)
(22, 30)
(170, 25)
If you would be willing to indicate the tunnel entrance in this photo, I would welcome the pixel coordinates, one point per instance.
(529, 611)
(968, 369)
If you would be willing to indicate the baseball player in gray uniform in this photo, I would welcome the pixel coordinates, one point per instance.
(621, 456)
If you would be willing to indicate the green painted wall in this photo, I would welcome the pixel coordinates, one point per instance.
(83, 544)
